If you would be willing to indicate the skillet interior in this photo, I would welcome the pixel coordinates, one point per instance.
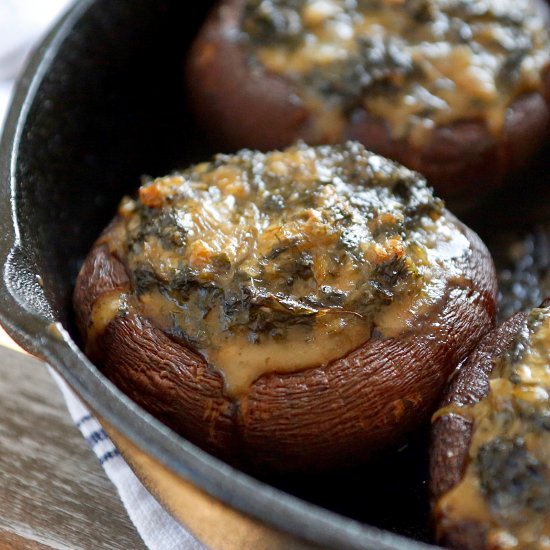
(100, 105)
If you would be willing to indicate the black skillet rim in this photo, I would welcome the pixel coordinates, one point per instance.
(34, 332)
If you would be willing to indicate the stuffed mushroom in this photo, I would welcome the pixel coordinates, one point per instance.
(292, 310)
(452, 88)
(491, 447)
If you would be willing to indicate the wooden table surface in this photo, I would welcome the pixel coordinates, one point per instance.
(53, 492)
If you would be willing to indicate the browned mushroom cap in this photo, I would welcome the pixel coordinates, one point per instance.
(239, 107)
(317, 418)
(242, 105)
(452, 437)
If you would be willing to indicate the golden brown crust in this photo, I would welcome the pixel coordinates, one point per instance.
(239, 107)
(317, 418)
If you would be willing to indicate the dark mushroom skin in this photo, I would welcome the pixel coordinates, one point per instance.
(513, 482)
(323, 416)
(242, 104)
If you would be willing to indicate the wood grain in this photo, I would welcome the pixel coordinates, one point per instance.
(53, 492)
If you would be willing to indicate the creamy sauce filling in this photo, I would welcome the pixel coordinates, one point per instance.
(506, 484)
(414, 63)
(282, 261)
(108, 306)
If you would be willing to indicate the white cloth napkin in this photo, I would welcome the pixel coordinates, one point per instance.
(22, 23)
(156, 527)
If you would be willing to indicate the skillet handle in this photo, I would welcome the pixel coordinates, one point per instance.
(25, 312)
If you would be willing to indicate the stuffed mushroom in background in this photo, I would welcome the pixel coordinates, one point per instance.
(292, 310)
(456, 89)
(491, 443)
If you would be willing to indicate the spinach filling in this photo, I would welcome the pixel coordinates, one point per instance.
(336, 231)
(374, 54)
(513, 424)
(512, 479)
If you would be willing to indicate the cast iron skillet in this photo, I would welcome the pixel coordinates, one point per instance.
(99, 105)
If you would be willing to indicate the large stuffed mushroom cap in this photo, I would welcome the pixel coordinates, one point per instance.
(286, 310)
(457, 90)
(490, 468)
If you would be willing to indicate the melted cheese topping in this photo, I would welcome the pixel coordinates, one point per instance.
(506, 484)
(414, 63)
(285, 260)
